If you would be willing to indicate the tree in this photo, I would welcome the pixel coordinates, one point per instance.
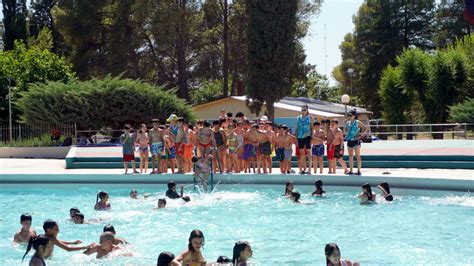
(450, 24)
(271, 50)
(14, 21)
(207, 92)
(42, 17)
(109, 102)
(25, 66)
(462, 112)
(396, 100)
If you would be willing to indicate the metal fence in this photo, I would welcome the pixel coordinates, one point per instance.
(24, 132)
(414, 131)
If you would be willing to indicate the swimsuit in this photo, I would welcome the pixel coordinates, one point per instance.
(288, 153)
(265, 148)
(232, 143)
(249, 152)
(304, 132)
(143, 149)
(179, 148)
(330, 152)
(188, 151)
(280, 154)
(156, 148)
(219, 139)
(339, 151)
(318, 150)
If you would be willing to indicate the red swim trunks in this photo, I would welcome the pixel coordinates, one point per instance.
(128, 157)
(330, 152)
(179, 151)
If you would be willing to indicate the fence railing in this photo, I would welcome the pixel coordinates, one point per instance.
(412, 131)
(20, 132)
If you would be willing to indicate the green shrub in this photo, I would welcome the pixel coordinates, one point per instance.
(93, 104)
(462, 112)
(41, 141)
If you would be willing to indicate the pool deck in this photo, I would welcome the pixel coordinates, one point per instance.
(54, 171)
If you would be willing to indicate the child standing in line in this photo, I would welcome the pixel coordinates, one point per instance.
(128, 150)
(318, 147)
(143, 141)
(232, 143)
(26, 232)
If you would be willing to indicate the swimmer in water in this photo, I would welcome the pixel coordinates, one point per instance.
(193, 256)
(224, 260)
(333, 257)
(134, 194)
(242, 252)
(72, 213)
(289, 188)
(161, 204)
(51, 229)
(319, 189)
(39, 244)
(102, 201)
(385, 188)
(79, 218)
(117, 240)
(167, 259)
(366, 196)
(106, 246)
(295, 197)
(26, 232)
(172, 194)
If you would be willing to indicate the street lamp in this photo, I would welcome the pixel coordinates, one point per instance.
(10, 132)
(350, 71)
(345, 99)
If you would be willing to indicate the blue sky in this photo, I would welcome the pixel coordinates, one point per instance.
(337, 15)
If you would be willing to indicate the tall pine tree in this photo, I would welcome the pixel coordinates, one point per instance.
(271, 51)
(14, 21)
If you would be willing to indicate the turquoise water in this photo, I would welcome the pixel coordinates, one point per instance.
(436, 229)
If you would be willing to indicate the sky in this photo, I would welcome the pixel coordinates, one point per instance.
(337, 16)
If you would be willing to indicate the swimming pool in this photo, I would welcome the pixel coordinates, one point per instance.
(434, 228)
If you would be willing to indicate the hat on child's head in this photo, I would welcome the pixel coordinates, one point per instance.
(172, 117)
(264, 119)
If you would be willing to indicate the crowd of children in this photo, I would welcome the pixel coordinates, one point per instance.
(234, 144)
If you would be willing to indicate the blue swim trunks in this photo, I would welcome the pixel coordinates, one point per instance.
(318, 150)
(172, 153)
(156, 148)
(280, 154)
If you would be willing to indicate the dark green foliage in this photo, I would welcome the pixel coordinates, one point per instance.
(271, 51)
(396, 100)
(207, 92)
(14, 21)
(25, 66)
(462, 112)
(110, 102)
(42, 17)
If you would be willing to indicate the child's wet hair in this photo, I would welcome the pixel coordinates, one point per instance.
(101, 195)
(286, 186)
(162, 201)
(223, 259)
(195, 234)
(49, 224)
(369, 190)
(296, 195)
(74, 209)
(329, 249)
(80, 215)
(171, 184)
(194, 159)
(35, 242)
(319, 187)
(109, 228)
(238, 248)
(165, 258)
(26, 217)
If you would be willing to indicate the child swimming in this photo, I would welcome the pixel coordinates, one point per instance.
(106, 246)
(385, 188)
(26, 232)
(79, 218)
(366, 196)
(289, 188)
(72, 213)
(242, 252)
(167, 259)
(333, 257)
(51, 229)
(117, 240)
(39, 244)
(102, 201)
(193, 255)
(172, 194)
(319, 189)
(161, 204)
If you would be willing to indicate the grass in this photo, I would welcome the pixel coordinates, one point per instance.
(41, 141)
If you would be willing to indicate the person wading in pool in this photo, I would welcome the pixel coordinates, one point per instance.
(51, 230)
(26, 232)
(193, 256)
(303, 132)
(333, 256)
(353, 136)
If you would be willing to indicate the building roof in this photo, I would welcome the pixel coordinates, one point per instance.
(316, 107)
(322, 105)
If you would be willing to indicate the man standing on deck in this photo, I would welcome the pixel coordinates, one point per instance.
(303, 133)
(156, 146)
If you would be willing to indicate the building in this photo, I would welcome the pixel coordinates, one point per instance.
(286, 110)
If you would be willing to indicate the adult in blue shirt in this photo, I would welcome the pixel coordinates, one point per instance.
(303, 133)
(353, 130)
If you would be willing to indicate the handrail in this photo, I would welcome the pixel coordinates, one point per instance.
(423, 125)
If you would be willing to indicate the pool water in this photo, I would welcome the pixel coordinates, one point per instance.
(435, 229)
